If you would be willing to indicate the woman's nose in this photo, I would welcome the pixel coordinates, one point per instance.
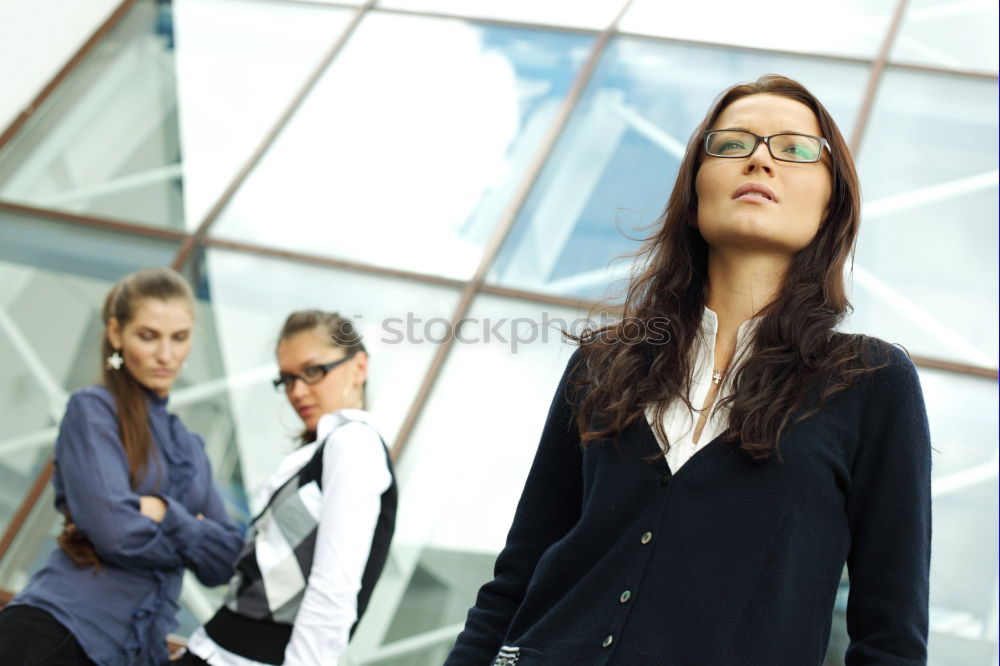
(295, 388)
(760, 158)
(165, 351)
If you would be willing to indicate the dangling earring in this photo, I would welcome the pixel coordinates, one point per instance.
(352, 392)
(115, 361)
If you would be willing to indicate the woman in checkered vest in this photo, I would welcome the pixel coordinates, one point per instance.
(314, 552)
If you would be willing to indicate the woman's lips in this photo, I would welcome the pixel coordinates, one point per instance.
(753, 197)
(755, 193)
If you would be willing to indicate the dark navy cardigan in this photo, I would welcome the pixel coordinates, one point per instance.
(728, 562)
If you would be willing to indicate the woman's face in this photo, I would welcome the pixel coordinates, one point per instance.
(155, 342)
(340, 388)
(785, 220)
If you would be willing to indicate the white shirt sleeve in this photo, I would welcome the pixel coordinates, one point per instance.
(355, 476)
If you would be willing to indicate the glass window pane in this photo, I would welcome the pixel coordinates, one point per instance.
(594, 14)
(406, 156)
(926, 264)
(614, 166)
(356, 3)
(38, 358)
(239, 65)
(949, 33)
(509, 363)
(963, 418)
(78, 250)
(158, 118)
(854, 28)
(459, 491)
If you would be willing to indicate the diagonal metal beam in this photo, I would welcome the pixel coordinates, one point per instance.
(67, 69)
(875, 76)
(93, 222)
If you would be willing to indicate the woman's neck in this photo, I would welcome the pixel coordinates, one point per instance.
(739, 286)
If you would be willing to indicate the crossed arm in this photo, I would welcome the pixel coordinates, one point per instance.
(128, 529)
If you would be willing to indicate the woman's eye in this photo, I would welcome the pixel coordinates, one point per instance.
(800, 149)
(313, 372)
(732, 146)
(803, 153)
(181, 337)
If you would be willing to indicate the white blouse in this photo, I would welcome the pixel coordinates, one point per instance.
(679, 422)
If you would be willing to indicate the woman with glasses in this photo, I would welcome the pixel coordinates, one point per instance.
(137, 492)
(695, 496)
(317, 547)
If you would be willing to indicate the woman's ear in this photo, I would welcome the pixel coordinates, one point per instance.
(114, 333)
(360, 367)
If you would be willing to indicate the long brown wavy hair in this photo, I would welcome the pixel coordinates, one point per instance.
(337, 330)
(628, 367)
(131, 398)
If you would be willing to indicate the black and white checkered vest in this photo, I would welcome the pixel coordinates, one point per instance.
(256, 620)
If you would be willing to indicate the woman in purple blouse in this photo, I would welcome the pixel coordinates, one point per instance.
(136, 489)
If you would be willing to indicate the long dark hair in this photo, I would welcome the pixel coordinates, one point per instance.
(131, 398)
(337, 330)
(794, 342)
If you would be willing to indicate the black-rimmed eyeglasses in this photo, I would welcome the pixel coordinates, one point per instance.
(787, 146)
(311, 375)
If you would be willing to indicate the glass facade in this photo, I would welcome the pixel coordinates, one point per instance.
(429, 168)
(853, 28)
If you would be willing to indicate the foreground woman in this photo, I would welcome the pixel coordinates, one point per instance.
(693, 500)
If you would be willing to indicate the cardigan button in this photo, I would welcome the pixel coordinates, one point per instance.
(665, 479)
(626, 595)
(646, 538)
(607, 641)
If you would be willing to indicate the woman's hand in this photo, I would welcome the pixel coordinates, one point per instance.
(153, 508)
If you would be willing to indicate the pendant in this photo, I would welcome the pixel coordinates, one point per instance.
(716, 377)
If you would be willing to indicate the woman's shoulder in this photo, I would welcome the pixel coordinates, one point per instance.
(348, 422)
(879, 352)
(92, 398)
(886, 365)
(351, 437)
